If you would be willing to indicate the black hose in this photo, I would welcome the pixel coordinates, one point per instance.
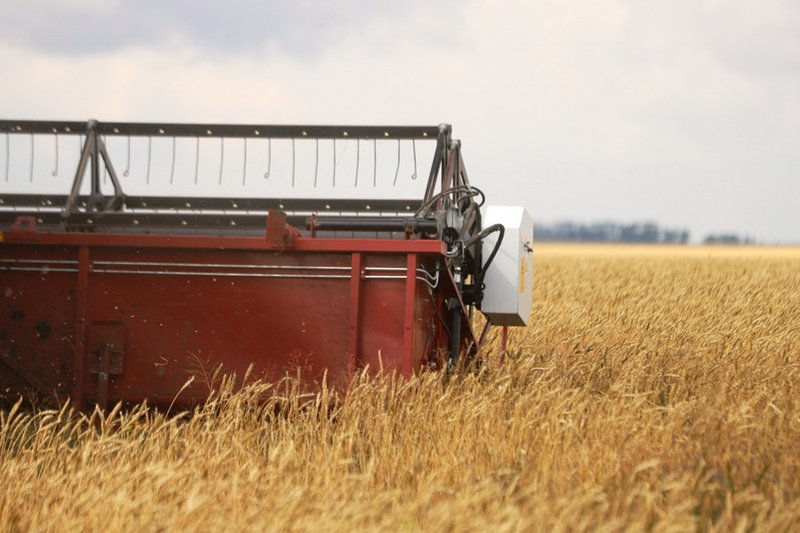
(499, 228)
(471, 191)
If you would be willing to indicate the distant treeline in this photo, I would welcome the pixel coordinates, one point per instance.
(610, 232)
(728, 238)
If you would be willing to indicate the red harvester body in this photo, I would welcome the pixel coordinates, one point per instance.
(108, 298)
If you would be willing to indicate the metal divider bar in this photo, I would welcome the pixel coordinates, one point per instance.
(218, 265)
(42, 269)
(37, 261)
(215, 274)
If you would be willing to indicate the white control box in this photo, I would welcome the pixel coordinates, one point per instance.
(508, 296)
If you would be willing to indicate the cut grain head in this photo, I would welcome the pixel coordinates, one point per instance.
(661, 397)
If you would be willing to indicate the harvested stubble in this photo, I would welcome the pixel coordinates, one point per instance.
(656, 389)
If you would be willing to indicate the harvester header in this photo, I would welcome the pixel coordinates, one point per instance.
(134, 255)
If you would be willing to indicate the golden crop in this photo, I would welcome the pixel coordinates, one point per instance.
(656, 389)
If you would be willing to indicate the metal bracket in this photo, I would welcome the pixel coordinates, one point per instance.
(107, 351)
(279, 232)
(24, 224)
(93, 149)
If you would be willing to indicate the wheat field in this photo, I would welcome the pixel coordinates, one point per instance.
(656, 389)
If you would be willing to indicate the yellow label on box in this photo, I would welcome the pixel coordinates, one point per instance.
(523, 269)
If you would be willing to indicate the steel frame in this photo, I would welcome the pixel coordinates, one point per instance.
(424, 275)
(90, 271)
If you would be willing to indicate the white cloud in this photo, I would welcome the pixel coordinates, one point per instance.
(606, 109)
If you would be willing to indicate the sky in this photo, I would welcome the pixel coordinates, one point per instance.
(685, 113)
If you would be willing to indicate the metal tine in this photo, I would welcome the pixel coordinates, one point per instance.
(196, 158)
(55, 163)
(374, 162)
(397, 170)
(316, 161)
(172, 170)
(105, 170)
(149, 153)
(358, 156)
(244, 166)
(106, 160)
(221, 157)
(269, 158)
(293, 162)
(334, 163)
(128, 159)
(33, 150)
(8, 154)
(414, 148)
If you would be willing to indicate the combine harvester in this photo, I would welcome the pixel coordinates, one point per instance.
(280, 247)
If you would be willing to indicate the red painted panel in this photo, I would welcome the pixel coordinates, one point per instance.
(188, 320)
(153, 312)
(37, 319)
